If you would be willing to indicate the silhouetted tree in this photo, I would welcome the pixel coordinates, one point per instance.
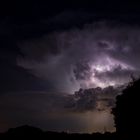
(127, 118)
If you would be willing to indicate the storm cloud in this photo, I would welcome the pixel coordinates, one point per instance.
(87, 110)
(98, 54)
(84, 69)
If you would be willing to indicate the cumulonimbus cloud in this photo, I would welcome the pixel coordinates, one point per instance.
(87, 57)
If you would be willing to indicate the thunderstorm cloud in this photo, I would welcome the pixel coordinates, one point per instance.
(98, 54)
(66, 79)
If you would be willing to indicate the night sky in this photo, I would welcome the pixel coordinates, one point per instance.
(63, 64)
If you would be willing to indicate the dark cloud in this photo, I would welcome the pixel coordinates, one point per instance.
(82, 100)
(58, 111)
(95, 55)
(117, 75)
(62, 61)
(87, 99)
(82, 71)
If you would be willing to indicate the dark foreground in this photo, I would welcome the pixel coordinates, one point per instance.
(25, 132)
